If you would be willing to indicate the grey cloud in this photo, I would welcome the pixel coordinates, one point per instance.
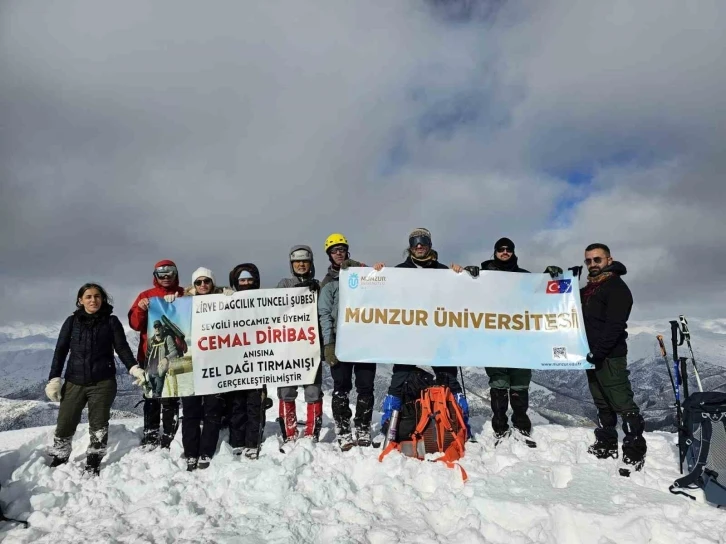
(217, 134)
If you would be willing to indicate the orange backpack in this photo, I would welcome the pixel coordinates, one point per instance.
(440, 428)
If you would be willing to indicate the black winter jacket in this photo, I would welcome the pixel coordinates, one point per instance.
(91, 340)
(606, 308)
(503, 266)
(430, 265)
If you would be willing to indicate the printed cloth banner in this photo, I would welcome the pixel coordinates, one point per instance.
(208, 344)
(441, 318)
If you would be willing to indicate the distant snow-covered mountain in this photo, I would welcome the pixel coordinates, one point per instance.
(556, 396)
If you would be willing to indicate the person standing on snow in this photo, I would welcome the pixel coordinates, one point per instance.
(336, 246)
(202, 414)
(421, 255)
(606, 305)
(91, 335)
(302, 267)
(245, 406)
(166, 282)
(510, 384)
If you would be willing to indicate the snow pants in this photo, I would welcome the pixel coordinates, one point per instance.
(99, 397)
(245, 418)
(200, 440)
(313, 391)
(516, 379)
(612, 393)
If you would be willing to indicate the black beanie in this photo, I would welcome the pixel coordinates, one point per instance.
(504, 242)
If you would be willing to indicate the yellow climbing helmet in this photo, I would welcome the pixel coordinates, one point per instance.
(335, 239)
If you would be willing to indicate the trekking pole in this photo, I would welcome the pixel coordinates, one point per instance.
(463, 389)
(675, 392)
(675, 336)
(686, 335)
(266, 405)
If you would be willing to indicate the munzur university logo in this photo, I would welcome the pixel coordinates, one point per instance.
(556, 287)
(353, 280)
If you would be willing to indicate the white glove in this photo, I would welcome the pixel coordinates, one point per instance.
(53, 390)
(163, 366)
(229, 292)
(170, 298)
(137, 372)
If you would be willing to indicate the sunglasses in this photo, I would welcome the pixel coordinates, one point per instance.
(205, 281)
(339, 249)
(504, 249)
(596, 260)
(424, 241)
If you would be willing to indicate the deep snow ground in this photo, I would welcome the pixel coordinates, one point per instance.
(556, 493)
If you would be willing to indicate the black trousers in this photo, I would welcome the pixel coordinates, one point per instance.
(245, 417)
(165, 410)
(445, 375)
(201, 440)
(342, 373)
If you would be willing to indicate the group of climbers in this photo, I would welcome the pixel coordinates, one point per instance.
(92, 333)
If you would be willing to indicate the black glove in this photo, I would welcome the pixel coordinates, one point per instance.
(576, 271)
(312, 284)
(597, 361)
(473, 270)
(553, 271)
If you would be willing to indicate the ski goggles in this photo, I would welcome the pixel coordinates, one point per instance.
(202, 281)
(300, 255)
(165, 272)
(424, 241)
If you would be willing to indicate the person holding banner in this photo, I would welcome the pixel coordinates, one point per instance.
(200, 440)
(508, 384)
(302, 267)
(336, 246)
(420, 254)
(246, 414)
(606, 305)
(91, 335)
(166, 282)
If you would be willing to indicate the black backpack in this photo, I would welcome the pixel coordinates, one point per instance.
(703, 447)
(417, 381)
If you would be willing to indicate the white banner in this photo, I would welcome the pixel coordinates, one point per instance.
(252, 338)
(441, 318)
(242, 341)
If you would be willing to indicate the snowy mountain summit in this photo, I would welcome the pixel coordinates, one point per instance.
(554, 494)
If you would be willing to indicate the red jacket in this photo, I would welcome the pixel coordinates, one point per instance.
(139, 319)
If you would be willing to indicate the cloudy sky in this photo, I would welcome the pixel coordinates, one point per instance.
(220, 132)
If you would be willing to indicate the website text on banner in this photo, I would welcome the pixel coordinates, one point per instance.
(243, 341)
(440, 318)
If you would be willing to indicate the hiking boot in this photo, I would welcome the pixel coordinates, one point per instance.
(166, 440)
(345, 441)
(93, 464)
(341, 414)
(604, 449)
(191, 464)
(204, 462)
(519, 400)
(150, 439)
(500, 437)
(636, 464)
(288, 419)
(363, 437)
(58, 461)
(250, 453)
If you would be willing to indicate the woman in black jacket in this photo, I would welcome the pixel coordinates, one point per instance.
(91, 335)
